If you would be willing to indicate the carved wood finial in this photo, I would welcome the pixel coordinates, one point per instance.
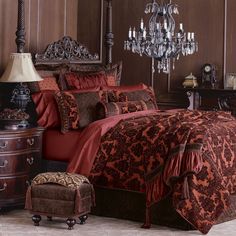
(20, 33)
(109, 37)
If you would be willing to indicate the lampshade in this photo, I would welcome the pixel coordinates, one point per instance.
(20, 68)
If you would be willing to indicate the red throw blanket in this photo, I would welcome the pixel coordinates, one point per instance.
(189, 154)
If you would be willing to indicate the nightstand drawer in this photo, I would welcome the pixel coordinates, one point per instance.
(13, 187)
(13, 164)
(21, 143)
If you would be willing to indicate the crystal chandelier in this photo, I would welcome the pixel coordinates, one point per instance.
(159, 40)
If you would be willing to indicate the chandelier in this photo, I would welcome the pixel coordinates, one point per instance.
(159, 40)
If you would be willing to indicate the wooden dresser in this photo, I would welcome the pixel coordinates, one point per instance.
(20, 161)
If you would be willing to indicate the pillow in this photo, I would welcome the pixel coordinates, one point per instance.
(68, 110)
(85, 80)
(112, 90)
(88, 76)
(136, 95)
(78, 109)
(105, 110)
(47, 110)
(48, 83)
(113, 73)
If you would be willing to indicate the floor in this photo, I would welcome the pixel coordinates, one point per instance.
(18, 222)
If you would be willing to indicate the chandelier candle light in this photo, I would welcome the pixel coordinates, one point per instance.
(159, 40)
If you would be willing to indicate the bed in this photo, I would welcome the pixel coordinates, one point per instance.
(176, 167)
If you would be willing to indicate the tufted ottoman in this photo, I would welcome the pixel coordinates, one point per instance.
(59, 194)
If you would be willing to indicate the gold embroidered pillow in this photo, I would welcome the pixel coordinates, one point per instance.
(68, 110)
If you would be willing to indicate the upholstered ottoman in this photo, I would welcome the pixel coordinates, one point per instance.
(59, 194)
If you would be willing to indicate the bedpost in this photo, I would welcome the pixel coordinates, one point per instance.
(109, 37)
(20, 33)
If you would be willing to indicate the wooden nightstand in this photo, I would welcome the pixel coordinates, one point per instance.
(20, 161)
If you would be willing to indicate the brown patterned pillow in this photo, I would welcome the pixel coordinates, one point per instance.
(78, 109)
(86, 103)
(68, 110)
(105, 110)
(138, 95)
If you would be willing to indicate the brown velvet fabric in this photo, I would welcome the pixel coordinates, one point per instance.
(57, 200)
(86, 103)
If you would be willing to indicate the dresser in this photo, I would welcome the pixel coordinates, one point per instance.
(212, 99)
(20, 161)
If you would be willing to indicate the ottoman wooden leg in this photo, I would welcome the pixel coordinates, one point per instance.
(83, 219)
(36, 219)
(70, 223)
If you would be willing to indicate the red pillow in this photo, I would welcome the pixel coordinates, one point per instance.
(48, 83)
(46, 108)
(85, 80)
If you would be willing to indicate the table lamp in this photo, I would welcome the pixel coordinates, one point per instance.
(20, 69)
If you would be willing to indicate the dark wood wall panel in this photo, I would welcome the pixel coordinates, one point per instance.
(208, 28)
(52, 16)
(89, 24)
(8, 17)
(135, 68)
(71, 18)
(231, 37)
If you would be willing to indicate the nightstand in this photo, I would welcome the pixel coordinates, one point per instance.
(20, 161)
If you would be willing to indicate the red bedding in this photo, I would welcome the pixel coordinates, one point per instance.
(189, 154)
(60, 147)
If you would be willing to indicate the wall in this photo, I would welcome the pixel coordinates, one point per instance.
(48, 20)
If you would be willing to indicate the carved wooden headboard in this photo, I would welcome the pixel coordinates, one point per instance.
(66, 50)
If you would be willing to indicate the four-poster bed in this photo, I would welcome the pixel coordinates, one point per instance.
(130, 201)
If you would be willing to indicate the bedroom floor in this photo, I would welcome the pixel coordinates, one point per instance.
(19, 223)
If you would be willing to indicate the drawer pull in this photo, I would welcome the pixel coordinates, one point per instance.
(30, 160)
(4, 145)
(4, 187)
(4, 164)
(30, 141)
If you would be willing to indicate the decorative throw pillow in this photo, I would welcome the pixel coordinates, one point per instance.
(48, 83)
(113, 90)
(113, 74)
(85, 80)
(78, 109)
(68, 110)
(105, 110)
(47, 109)
(86, 103)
